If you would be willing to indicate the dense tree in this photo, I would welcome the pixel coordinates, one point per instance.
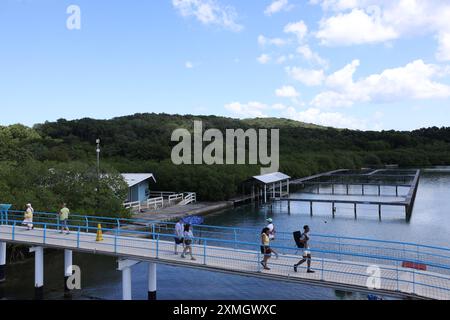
(141, 143)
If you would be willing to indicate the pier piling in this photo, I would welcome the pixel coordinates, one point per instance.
(38, 272)
(2, 261)
(152, 281)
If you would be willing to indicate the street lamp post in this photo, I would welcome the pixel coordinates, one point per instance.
(98, 172)
(98, 158)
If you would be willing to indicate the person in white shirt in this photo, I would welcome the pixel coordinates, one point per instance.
(271, 229)
(179, 230)
(305, 239)
(28, 217)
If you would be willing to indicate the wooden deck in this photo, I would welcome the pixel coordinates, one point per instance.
(333, 273)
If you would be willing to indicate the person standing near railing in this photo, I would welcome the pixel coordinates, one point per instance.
(304, 239)
(28, 217)
(271, 227)
(64, 218)
(266, 250)
(188, 237)
(179, 231)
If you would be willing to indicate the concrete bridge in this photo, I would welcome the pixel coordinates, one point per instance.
(375, 266)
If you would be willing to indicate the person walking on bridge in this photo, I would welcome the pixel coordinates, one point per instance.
(64, 218)
(28, 217)
(272, 230)
(304, 239)
(188, 237)
(266, 250)
(179, 231)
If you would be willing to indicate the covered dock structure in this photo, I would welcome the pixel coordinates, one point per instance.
(269, 186)
(337, 183)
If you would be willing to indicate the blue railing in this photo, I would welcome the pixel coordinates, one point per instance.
(348, 251)
(405, 251)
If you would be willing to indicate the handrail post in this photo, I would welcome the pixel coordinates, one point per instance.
(14, 231)
(78, 237)
(398, 285)
(259, 259)
(340, 252)
(115, 240)
(235, 238)
(157, 246)
(322, 278)
(204, 252)
(87, 224)
(45, 233)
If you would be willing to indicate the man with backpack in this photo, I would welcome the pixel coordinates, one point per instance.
(302, 241)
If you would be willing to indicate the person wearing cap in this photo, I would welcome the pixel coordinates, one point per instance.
(271, 228)
(28, 217)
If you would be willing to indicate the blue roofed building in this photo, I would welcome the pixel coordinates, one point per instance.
(138, 186)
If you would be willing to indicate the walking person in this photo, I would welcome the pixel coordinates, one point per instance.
(188, 237)
(271, 227)
(266, 250)
(304, 239)
(64, 218)
(179, 231)
(28, 217)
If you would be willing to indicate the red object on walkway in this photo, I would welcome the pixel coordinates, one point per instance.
(413, 265)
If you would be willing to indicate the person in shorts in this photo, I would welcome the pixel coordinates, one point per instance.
(305, 238)
(64, 219)
(188, 236)
(179, 230)
(266, 250)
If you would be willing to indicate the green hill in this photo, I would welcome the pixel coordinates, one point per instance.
(142, 143)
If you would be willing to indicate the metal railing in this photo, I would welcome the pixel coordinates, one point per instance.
(335, 257)
(190, 197)
(151, 203)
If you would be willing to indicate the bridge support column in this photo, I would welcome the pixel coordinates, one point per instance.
(38, 272)
(2, 261)
(68, 270)
(125, 267)
(152, 278)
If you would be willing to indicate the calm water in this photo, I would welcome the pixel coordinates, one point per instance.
(430, 224)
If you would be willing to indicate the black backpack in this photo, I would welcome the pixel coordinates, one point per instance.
(298, 239)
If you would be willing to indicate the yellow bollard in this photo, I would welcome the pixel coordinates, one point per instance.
(99, 233)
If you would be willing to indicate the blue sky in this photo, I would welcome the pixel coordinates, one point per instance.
(366, 64)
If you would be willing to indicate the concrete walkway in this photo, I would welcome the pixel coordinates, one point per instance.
(334, 273)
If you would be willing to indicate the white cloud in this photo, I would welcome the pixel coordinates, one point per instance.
(309, 77)
(443, 53)
(263, 41)
(312, 56)
(356, 27)
(277, 6)
(253, 109)
(298, 28)
(189, 65)
(287, 92)
(372, 21)
(208, 12)
(331, 119)
(415, 81)
(263, 59)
